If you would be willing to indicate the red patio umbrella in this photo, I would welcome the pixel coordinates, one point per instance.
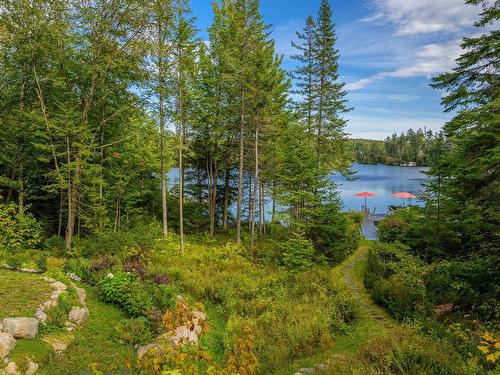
(365, 194)
(404, 195)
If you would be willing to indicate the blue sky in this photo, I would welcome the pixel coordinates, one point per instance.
(390, 50)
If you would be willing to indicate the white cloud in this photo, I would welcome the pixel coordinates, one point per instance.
(430, 60)
(411, 17)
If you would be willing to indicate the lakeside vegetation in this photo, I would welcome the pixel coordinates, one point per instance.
(100, 100)
(420, 147)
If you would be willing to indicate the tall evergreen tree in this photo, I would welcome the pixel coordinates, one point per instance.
(467, 179)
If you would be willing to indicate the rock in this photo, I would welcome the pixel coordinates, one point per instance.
(49, 279)
(7, 344)
(57, 285)
(199, 316)
(82, 295)
(183, 333)
(142, 350)
(40, 315)
(21, 327)
(55, 294)
(12, 369)
(48, 304)
(307, 370)
(32, 367)
(78, 315)
(59, 341)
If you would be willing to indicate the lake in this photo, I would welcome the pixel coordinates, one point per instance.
(382, 180)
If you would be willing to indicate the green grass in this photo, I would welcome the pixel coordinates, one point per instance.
(365, 328)
(36, 350)
(94, 344)
(23, 291)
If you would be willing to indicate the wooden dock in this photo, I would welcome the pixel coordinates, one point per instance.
(369, 229)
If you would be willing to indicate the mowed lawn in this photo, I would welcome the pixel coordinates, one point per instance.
(21, 293)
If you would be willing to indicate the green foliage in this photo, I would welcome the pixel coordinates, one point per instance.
(134, 331)
(395, 280)
(125, 290)
(297, 253)
(57, 315)
(291, 314)
(404, 352)
(400, 225)
(332, 232)
(417, 147)
(18, 230)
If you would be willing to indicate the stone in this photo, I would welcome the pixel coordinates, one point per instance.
(48, 304)
(199, 316)
(55, 294)
(12, 369)
(307, 370)
(32, 368)
(78, 315)
(59, 286)
(21, 327)
(59, 341)
(49, 279)
(183, 333)
(142, 350)
(82, 295)
(7, 344)
(40, 315)
(321, 366)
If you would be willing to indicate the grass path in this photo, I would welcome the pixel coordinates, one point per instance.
(373, 320)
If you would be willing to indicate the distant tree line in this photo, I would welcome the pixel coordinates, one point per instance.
(420, 147)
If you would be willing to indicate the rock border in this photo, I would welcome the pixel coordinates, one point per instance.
(76, 317)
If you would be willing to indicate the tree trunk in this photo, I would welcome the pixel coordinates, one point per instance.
(240, 176)
(255, 187)
(226, 201)
(71, 209)
(161, 82)
(61, 203)
(181, 169)
(273, 213)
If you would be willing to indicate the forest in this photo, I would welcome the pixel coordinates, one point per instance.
(176, 194)
(420, 147)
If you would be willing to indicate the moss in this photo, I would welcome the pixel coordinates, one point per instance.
(35, 350)
(94, 345)
(24, 292)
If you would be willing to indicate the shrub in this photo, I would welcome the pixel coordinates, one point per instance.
(395, 280)
(14, 262)
(81, 268)
(134, 331)
(54, 243)
(297, 253)
(41, 261)
(333, 234)
(125, 290)
(163, 295)
(18, 231)
(397, 226)
(55, 262)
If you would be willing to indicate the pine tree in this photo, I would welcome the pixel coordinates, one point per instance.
(304, 75)
(330, 96)
(469, 174)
